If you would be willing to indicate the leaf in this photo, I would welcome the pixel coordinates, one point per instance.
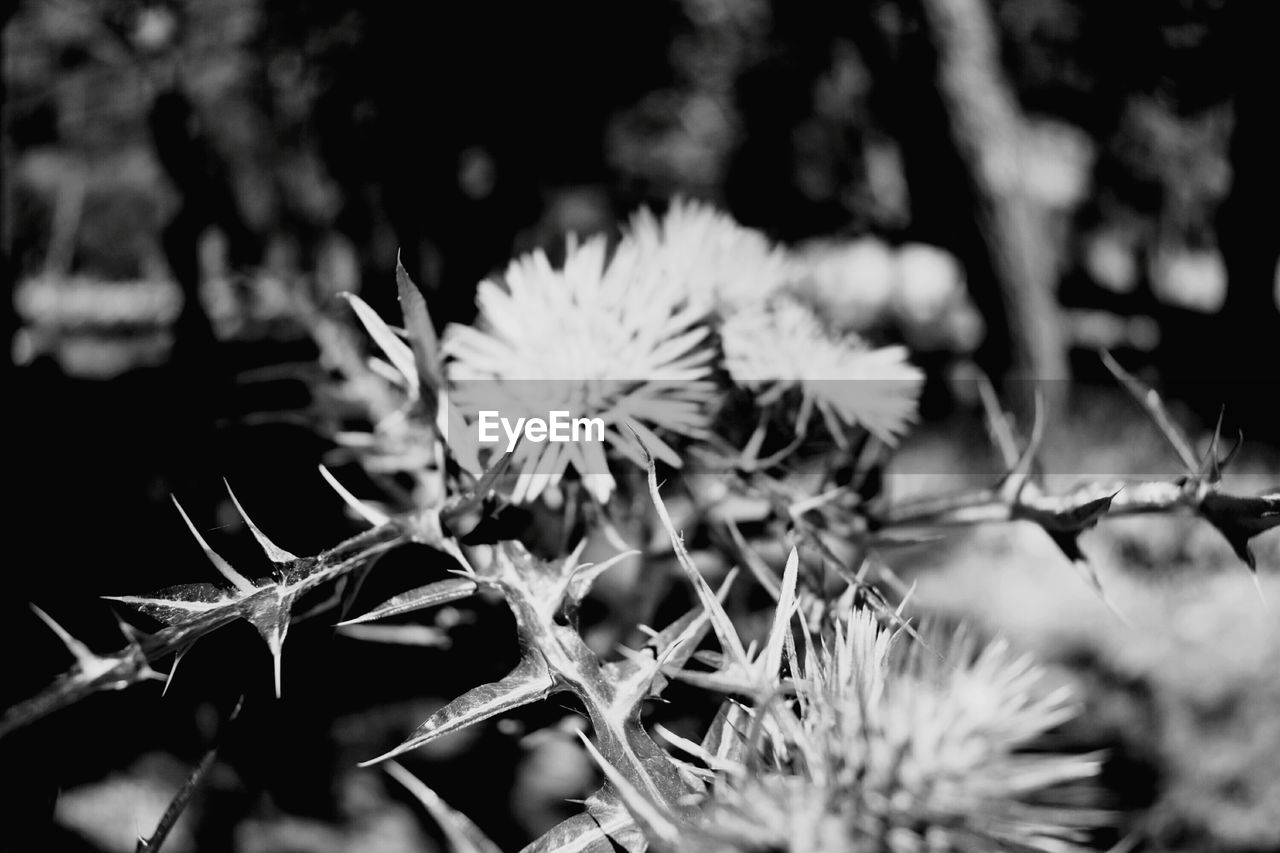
(461, 443)
(528, 682)
(440, 592)
(422, 332)
(397, 352)
(1239, 519)
(177, 604)
(426, 636)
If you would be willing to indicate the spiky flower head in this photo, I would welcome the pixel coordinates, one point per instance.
(594, 338)
(783, 345)
(716, 263)
(903, 750)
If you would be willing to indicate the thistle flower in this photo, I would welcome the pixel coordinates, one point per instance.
(783, 346)
(903, 753)
(597, 339)
(708, 257)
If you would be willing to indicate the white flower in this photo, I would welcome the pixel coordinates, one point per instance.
(784, 346)
(717, 263)
(596, 339)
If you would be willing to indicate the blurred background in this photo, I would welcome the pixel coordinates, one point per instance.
(1010, 185)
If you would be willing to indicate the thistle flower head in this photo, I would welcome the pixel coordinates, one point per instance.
(594, 338)
(715, 262)
(903, 752)
(783, 345)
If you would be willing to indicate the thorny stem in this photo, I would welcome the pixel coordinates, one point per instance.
(132, 661)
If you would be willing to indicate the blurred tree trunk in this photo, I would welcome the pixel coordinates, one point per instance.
(945, 99)
(987, 130)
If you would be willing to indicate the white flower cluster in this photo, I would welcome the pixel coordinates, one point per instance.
(629, 338)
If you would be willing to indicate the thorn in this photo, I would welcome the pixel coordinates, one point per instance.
(571, 562)
(613, 537)
(1209, 470)
(902, 605)
(1091, 577)
(462, 835)
(1127, 844)
(177, 659)
(770, 661)
(368, 513)
(83, 655)
(799, 508)
(584, 576)
(130, 633)
(751, 453)
(1231, 454)
(1262, 596)
(274, 552)
(240, 581)
(687, 746)
(755, 564)
(273, 633)
(998, 425)
(1018, 476)
(151, 675)
(399, 750)
(276, 646)
(1151, 403)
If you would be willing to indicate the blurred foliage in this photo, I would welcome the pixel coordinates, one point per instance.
(326, 124)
